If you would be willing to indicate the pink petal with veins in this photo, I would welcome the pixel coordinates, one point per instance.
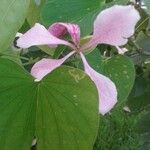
(106, 88)
(39, 35)
(114, 26)
(59, 29)
(45, 66)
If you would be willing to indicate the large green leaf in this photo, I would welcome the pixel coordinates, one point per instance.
(121, 70)
(60, 112)
(81, 12)
(12, 15)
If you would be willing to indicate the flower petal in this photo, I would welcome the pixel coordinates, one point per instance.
(106, 88)
(114, 25)
(45, 66)
(59, 29)
(39, 35)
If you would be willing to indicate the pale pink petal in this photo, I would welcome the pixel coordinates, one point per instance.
(39, 35)
(114, 26)
(121, 50)
(59, 29)
(106, 88)
(45, 66)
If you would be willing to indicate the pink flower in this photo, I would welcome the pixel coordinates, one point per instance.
(112, 26)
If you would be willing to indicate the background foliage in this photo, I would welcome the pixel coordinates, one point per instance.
(121, 129)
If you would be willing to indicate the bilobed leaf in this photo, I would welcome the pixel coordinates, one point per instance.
(12, 16)
(60, 112)
(120, 70)
(81, 12)
(70, 125)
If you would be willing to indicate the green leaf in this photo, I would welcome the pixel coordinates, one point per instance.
(145, 142)
(61, 111)
(117, 131)
(120, 69)
(11, 54)
(144, 123)
(143, 23)
(82, 12)
(139, 103)
(34, 11)
(12, 16)
(34, 17)
(147, 3)
(121, 1)
(143, 42)
(94, 58)
(139, 96)
(113, 2)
